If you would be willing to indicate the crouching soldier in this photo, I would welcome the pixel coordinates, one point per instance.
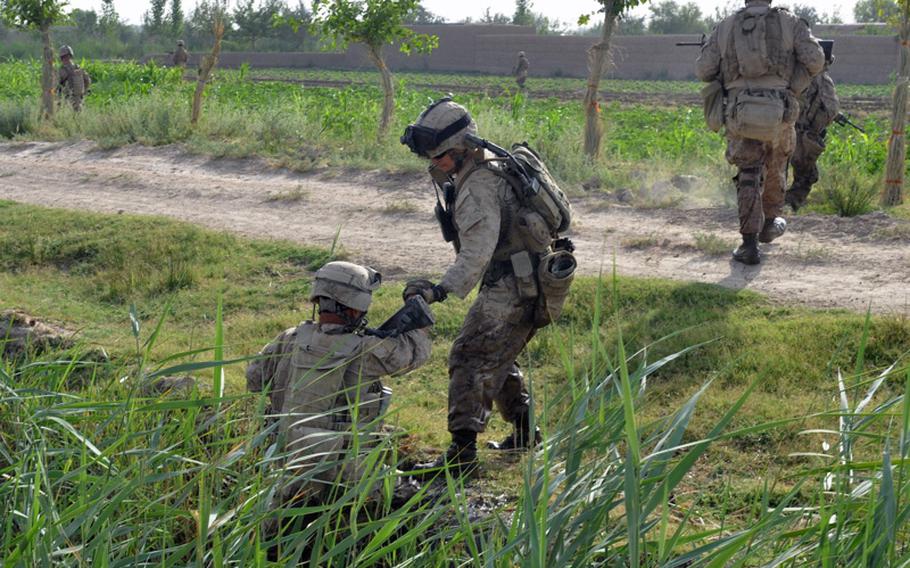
(323, 381)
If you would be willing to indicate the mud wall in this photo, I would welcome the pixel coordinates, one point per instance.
(492, 49)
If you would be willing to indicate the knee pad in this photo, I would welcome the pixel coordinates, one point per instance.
(749, 178)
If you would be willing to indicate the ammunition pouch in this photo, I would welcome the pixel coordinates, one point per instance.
(713, 100)
(555, 274)
(757, 114)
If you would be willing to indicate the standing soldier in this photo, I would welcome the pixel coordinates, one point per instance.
(762, 58)
(74, 82)
(491, 233)
(180, 55)
(520, 71)
(819, 107)
(323, 380)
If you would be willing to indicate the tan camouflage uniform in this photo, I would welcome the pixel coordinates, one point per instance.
(819, 106)
(793, 56)
(521, 70)
(74, 82)
(317, 379)
(482, 369)
(180, 56)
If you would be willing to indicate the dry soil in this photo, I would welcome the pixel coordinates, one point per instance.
(387, 221)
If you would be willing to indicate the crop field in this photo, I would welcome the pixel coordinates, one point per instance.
(685, 424)
(312, 127)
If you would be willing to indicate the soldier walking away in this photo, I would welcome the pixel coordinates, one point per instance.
(504, 246)
(180, 55)
(762, 58)
(74, 82)
(323, 379)
(819, 107)
(520, 71)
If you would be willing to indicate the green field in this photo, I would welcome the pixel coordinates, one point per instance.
(307, 128)
(773, 369)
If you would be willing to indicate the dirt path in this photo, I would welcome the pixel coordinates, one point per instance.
(387, 221)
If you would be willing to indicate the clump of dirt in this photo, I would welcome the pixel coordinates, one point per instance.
(21, 334)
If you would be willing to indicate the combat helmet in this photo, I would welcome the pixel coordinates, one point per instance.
(441, 127)
(66, 50)
(180, 43)
(346, 283)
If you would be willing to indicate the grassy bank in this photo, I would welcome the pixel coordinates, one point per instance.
(307, 128)
(729, 388)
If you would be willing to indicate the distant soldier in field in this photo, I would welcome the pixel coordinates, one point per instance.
(180, 55)
(763, 58)
(520, 71)
(74, 82)
(819, 107)
(323, 380)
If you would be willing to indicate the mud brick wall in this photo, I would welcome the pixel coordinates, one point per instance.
(493, 48)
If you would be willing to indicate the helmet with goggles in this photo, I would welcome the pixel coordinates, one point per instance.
(439, 128)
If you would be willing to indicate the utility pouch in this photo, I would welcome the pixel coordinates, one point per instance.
(555, 274)
(523, 268)
(535, 234)
(712, 96)
(756, 116)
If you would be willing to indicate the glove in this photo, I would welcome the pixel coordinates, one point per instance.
(425, 289)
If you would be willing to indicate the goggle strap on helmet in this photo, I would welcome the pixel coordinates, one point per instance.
(445, 133)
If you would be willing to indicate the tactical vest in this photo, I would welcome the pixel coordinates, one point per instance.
(757, 48)
(76, 81)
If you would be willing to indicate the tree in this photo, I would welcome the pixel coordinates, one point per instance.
(668, 17)
(897, 144)
(154, 18)
(422, 16)
(876, 11)
(217, 10)
(254, 22)
(38, 15)
(373, 23)
(110, 19)
(598, 55)
(523, 15)
(175, 18)
(86, 21)
(490, 18)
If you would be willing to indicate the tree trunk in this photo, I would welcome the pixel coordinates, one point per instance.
(388, 103)
(205, 71)
(897, 145)
(598, 56)
(48, 75)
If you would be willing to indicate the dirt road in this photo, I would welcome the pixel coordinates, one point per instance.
(387, 221)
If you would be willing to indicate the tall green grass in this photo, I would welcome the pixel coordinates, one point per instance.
(100, 475)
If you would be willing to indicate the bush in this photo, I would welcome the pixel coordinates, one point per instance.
(847, 193)
(16, 117)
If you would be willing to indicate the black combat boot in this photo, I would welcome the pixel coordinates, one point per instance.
(747, 253)
(773, 229)
(460, 458)
(520, 438)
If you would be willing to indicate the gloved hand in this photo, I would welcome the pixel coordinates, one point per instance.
(426, 289)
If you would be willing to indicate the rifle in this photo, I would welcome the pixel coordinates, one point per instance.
(415, 314)
(704, 40)
(842, 120)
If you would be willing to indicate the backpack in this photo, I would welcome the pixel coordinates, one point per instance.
(542, 195)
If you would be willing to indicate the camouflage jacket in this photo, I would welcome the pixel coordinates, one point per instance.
(819, 105)
(792, 55)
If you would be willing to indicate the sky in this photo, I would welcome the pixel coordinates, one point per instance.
(566, 11)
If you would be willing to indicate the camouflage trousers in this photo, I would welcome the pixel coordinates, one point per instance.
(521, 79)
(482, 369)
(809, 148)
(762, 177)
